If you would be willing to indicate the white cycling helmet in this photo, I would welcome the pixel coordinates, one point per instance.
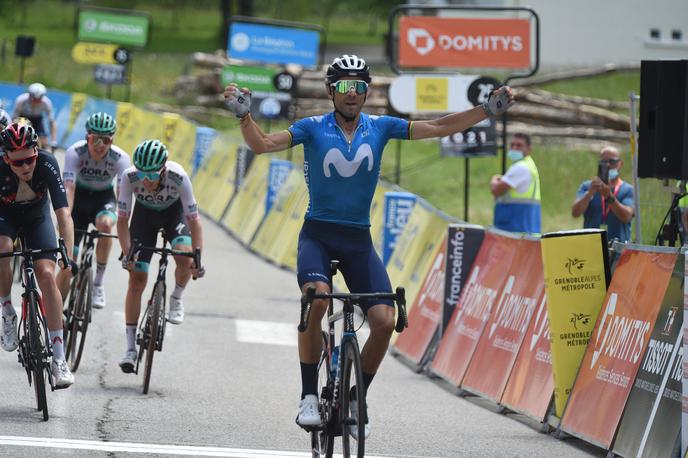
(347, 65)
(36, 90)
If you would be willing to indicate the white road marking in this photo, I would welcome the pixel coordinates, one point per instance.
(266, 332)
(134, 447)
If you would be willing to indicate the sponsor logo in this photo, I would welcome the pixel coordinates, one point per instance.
(175, 177)
(420, 40)
(541, 327)
(344, 167)
(94, 172)
(455, 268)
(657, 356)
(619, 337)
(154, 199)
(478, 300)
(241, 42)
(582, 318)
(671, 317)
(574, 264)
(513, 311)
(180, 228)
(433, 288)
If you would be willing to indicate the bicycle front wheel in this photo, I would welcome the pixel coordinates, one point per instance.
(322, 440)
(80, 318)
(155, 315)
(352, 414)
(38, 361)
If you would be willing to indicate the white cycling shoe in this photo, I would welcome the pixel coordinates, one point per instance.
(176, 313)
(8, 338)
(98, 297)
(353, 430)
(62, 376)
(308, 411)
(128, 362)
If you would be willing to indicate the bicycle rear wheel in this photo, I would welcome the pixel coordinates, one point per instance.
(352, 376)
(79, 320)
(322, 440)
(155, 313)
(37, 350)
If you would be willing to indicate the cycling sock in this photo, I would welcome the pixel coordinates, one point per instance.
(56, 340)
(309, 379)
(7, 307)
(131, 337)
(100, 272)
(178, 291)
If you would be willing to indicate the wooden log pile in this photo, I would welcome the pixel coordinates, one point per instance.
(537, 112)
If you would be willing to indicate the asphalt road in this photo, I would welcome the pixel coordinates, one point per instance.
(227, 384)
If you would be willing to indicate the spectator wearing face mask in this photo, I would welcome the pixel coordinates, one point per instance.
(606, 201)
(517, 193)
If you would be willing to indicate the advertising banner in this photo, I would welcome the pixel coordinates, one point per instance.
(425, 315)
(273, 44)
(248, 206)
(576, 271)
(498, 346)
(617, 343)
(476, 141)
(278, 173)
(94, 53)
(487, 278)
(204, 139)
(684, 415)
(377, 215)
(651, 421)
(431, 41)
(398, 208)
(111, 26)
(463, 244)
(530, 386)
(255, 78)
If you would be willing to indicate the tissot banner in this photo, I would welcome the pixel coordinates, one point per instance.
(617, 344)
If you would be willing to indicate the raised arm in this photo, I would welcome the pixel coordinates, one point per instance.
(239, 102)
(500, 101)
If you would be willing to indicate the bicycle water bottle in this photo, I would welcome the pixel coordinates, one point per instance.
(335, 361)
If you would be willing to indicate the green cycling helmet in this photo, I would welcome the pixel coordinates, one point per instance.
(150, 156)
(101, 123)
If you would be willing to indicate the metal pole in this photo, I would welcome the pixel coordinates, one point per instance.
(504, 123)
(465, 189)
(397, 165)
(633, 99)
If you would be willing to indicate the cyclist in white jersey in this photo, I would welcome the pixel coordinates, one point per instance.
(91, 167)
(164, 200)
(35, 106)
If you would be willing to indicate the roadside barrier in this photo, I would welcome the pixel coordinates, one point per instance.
(214, 182)
(621, 334)
(576, 276)
(651, 422)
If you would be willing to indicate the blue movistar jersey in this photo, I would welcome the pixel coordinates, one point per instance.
(341, 176)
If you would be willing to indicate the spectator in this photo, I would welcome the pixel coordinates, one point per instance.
(606, 204)
(517, 194)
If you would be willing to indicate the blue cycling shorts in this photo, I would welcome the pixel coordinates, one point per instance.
(359, 264)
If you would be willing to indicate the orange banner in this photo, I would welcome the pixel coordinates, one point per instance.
(429, 41)
(486, 280)
(531, 386)
(425, 315)
(616, 347)
(498, 347)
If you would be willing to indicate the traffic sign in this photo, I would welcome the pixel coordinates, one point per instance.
(94, 53)
(110, 74)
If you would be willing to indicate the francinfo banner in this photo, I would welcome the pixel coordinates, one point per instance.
(576, 272)
(430, 41)
(486, 280)
(497, 349)
(651, 421)
(425, 315)
(530, 386)
(463, 244)
(621, 333)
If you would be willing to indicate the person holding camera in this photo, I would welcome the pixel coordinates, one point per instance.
(606, 201)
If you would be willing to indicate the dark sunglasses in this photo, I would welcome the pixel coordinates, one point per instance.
(344, 86)
(610, 161)
(19, 162)
(104, 139)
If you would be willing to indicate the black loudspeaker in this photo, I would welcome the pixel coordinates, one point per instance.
(663, 140)
(24, 46)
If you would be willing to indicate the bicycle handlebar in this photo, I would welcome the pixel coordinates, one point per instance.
(60, 249)
(399, 297)
(196, 254)
(95, 233)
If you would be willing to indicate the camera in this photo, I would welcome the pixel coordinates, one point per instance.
(603, 172)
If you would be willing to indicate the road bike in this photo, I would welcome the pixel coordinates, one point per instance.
(340, 376)
(35, 350)
(151, 330)
(77, 314)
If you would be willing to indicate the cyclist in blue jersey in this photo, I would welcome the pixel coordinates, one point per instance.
(342, 157)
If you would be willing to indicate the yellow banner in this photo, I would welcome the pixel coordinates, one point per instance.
(432, 94)
(248, 209)
(575, 286)
(78, 102)
(94, 53)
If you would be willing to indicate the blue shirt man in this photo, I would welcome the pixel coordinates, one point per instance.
(606, 204)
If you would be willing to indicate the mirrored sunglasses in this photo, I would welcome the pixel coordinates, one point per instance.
(104, 139)
(151, 176)
(344, 86)
(27, 160)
